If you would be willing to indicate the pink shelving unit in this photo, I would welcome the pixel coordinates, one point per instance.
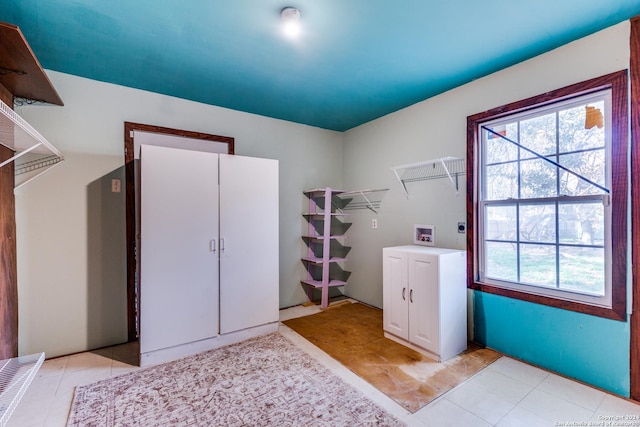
(324, 226)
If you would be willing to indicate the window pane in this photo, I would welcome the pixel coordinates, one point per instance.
(500, 150)
(589, 164)
(538, 179)
(502, 181)
(578, 133)
(539, 135)
(582, 269)
(538, 265)
(501, 223)
(581, 223)
(538, 223)
(501, 261)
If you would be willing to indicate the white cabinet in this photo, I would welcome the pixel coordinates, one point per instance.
(425, 299)
(209, 267)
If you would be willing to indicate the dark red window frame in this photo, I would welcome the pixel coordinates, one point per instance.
(618, 83)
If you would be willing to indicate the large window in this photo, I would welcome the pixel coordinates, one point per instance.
(548, 205)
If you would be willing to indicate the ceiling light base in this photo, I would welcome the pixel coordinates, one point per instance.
(290, 14)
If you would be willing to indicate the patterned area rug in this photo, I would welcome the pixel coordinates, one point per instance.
(265, 381)
(352, 334)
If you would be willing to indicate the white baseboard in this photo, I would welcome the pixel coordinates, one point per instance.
(172, 353)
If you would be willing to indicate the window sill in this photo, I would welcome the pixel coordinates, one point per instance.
(618, 312)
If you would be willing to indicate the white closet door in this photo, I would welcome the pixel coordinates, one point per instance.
(178, 267)
(249, 260)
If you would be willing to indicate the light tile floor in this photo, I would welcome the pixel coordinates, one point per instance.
(507, 393)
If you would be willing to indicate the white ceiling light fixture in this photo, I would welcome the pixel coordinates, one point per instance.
(291, 18)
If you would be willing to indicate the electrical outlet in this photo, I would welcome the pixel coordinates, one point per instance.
(115, 185)
(462, 227)
(374, 223)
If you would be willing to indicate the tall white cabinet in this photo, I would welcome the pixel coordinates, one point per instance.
(208, 250)
(425, 299)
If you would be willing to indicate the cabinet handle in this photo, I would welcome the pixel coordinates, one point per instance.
(411, 295)
(222, 245)
(403, 298)
(212, 245)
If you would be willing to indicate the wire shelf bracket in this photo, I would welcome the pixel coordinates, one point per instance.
(445, 167)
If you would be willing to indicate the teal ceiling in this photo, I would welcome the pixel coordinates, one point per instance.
(354, 61)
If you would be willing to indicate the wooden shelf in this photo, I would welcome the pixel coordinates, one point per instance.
(21, 73)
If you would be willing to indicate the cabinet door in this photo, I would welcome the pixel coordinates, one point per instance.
(249, 257)
(395, 293)
(178, 268)
(423, 301)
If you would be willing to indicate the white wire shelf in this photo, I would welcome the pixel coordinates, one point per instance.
(445, 167)
(15, 376)
(33, 153)
(361, 199)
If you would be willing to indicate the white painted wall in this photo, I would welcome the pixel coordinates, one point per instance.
(71, 248)
(437, 127)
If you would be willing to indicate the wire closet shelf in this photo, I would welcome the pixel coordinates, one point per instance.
(360, 199)
(16, 375)
(33, 153)
(445, 167)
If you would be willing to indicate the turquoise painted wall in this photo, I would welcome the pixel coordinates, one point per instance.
(588, 348)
